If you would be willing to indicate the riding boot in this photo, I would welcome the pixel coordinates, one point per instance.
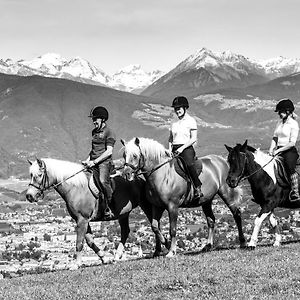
(294, 194)
(108, 214)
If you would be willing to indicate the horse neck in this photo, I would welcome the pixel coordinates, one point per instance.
(254, 171)
(56, 177)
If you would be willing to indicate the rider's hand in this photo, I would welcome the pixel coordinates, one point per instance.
(90, 163)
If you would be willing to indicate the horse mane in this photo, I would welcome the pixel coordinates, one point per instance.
(61, 169)
(151, 149)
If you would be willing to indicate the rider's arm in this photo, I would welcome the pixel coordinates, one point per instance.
(273, 145)
(170, 141)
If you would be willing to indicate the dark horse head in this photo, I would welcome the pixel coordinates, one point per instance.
(237, 163)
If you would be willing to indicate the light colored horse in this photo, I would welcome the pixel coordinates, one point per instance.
(168, 189)
(82, 205)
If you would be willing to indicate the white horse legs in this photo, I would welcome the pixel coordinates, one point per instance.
(257, 224)
(274, 224)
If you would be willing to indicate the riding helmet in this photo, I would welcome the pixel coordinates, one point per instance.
(285, 105)
(99, 112)
(180, 101)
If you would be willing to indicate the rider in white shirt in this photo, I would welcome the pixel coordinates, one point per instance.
(183, 135)
(284, 141)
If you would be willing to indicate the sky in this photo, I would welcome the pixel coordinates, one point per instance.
(157, 34)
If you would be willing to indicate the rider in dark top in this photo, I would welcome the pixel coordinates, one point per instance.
(100, 157)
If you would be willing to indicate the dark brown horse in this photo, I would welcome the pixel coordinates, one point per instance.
(261, 171)
(169, 190)
(82, 205)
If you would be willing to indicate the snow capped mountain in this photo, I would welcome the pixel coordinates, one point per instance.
(133, 78)
(280, 66)
(205, 71)
(53, 65)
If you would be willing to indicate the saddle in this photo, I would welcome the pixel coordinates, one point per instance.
(181, 169)
(100, 196)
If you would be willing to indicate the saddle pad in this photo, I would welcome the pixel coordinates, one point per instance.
(93, 188)
(180, 167)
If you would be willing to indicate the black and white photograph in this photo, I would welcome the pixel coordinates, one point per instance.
(149, 149)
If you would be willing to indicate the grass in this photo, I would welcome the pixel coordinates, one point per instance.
(265, 273)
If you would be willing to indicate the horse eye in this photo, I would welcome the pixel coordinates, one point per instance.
(135, 156)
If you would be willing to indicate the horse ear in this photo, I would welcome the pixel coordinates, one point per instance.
(123, 142)
(137, 141)
(39, 161)
(228, 148)
(244, 147)
(29, 161)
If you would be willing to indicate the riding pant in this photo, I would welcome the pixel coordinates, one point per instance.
(101, 177)
(290, 157)
(188, 155)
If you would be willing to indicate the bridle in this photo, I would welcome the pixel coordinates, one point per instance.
(140, 165)
(42, 187)
(242, 177)
(44, 184)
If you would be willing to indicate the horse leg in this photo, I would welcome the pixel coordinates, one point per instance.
(81, 229)
(257, 224)
(90, 241)
(155, 226)
(173, 215)
(210, 219)
(274, 223)
(231, 197)
(124, 224)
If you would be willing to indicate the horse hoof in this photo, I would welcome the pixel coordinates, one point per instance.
(171, 254)
(206, 248)
(157, 254)
(73, 267)
(243, 246)
(250, 248)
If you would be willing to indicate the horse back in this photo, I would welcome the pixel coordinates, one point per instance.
(214, 167)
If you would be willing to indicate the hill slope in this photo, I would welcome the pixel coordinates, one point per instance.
(266, 273)
(49, 117)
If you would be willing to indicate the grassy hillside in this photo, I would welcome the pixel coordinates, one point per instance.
(266, 273)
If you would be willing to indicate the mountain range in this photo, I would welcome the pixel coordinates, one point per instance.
(202, 72)
(46, 114)
(130, 79)
(48, 117)
(206, 71)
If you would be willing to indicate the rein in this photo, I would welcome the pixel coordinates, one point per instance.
(45, 180)
(138, 170)
(246, 177)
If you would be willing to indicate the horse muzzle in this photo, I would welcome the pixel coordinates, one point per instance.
(232, 181)
(128, 174)
(32, 195)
